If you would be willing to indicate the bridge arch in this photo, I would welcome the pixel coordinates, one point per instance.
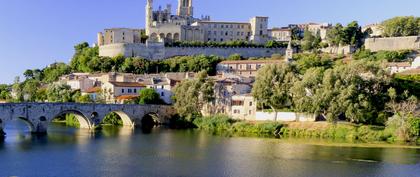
(126, 119)
(28, 123)
(83, 120)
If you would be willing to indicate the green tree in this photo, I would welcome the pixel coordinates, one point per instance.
(308, 41)
(403, 121)
(30, 90)
(59, 93)
(191, 95)
(54, 71)
(149, 96)
(272, 86)
(401, 26)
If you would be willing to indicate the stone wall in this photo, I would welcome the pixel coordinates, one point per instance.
(393, 43)
(344, 50)
(157, 51)
(285, 117)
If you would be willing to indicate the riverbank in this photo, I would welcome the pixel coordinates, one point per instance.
(342, 131)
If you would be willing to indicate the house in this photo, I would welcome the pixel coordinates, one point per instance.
(94, 93)
(113, 90)
(245, 68)
(243, 107)
(397, 67)
(78, 81)
(404, 67)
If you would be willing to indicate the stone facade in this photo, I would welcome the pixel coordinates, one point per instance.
(341, 50)
(157, 51)
(39, 115)
(393, 43)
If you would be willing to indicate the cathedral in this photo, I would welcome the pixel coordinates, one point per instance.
(163, 26)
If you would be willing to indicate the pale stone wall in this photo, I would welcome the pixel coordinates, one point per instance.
(156, 51)
(285, 116)
(339, 50)
(393, 43)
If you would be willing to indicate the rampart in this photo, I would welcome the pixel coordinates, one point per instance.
(393, 43)
(157, 51)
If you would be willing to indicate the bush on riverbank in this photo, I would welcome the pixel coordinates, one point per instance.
(224, 123)
(348, 132)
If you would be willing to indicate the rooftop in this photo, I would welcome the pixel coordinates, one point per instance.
(127, 84)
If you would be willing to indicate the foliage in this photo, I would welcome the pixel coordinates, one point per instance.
(54, 71)
(59, 93)
(348, 132)
(389, 56)
(235, 57)
(5, 92)
(272, 86)
(350, 35)
(307, 61)
(403, 121)
(112, 119)
(355, 90)
(149, 96)
(409, 83)
(401, 26)
(224, 123)
(191, 95)
(310, 41)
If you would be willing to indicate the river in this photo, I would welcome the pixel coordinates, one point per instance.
(123, 152)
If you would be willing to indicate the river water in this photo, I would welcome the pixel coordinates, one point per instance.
(117, 152)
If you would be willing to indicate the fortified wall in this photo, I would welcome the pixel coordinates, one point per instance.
(157, 51)
(393, 43)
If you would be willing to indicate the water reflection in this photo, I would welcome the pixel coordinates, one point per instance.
(121, 151)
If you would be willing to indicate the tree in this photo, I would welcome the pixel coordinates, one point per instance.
(5, 92)
(272, 86)
(59, 93)
(308, 41)
(149, 96)
(54, 71)
(30, 90)
(355, 90)
(17, 92)
(191, 95)
(403, 118)
(401, 26)
(350, 35)
(29, 74)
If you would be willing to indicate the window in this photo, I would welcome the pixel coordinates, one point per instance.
(261, 32)
(162, 94)
(221, 40)
(222, 26)
(226, 33)
(237, 103)
(162, 87)
(122, 90)
(135, 90)
(130, 91)
(250, 103)
(236, 111)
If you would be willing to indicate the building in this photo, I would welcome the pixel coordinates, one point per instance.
(280, 34)
(314, 28)
(78, 81)
(163, 26)
(119, 35)
(404, 67)
(245, 68)
(243, 107)
(118, 92)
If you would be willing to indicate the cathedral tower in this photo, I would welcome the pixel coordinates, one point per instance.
(185, 8)
(149, 15)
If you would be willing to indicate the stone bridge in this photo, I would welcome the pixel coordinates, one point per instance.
(38, 115)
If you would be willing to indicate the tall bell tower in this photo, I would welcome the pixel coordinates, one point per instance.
(149, 15)
(185, 8)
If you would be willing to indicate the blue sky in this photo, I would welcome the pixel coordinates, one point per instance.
(35, 33)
